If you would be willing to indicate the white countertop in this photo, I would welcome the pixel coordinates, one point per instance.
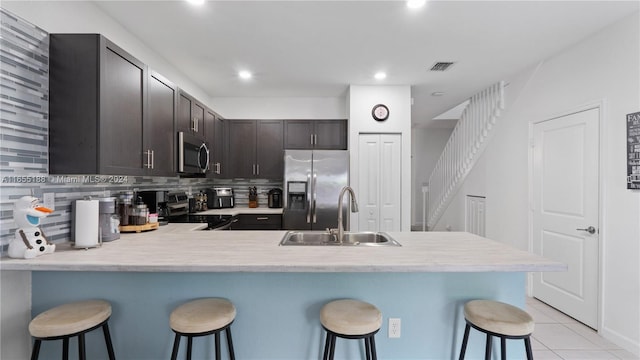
(183, 248)
(241, 210)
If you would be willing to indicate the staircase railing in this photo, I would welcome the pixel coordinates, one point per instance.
(466, 144)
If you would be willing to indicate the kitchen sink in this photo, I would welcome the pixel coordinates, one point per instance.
(323, 238)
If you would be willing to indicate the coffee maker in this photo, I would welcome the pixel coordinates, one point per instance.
(157, 203)
(275, 198)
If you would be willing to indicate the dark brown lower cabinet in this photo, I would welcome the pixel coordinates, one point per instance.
(258, 222)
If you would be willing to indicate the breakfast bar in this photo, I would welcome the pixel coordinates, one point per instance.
(278, 290)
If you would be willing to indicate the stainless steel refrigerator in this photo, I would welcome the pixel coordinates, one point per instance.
(312, 182)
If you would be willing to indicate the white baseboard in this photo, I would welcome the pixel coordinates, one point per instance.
(631, 345)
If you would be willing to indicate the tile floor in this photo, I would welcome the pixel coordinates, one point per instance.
(558, 336)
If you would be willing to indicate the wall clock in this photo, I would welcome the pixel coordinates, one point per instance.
(380, 112)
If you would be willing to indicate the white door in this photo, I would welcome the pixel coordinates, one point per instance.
(475, 215)
(565, 203)
(379, 186)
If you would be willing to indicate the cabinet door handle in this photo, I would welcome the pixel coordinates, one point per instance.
(311, 139)
(262, 218)
(149, 163)
(217, 171)
(253, 169)
(258, 169)
(315, 139)
(153, 160)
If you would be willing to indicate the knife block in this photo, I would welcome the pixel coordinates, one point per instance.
(253, 197)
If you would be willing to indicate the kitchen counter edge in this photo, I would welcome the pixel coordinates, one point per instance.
(183, 248)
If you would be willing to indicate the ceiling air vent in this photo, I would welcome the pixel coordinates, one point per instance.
(441, 66)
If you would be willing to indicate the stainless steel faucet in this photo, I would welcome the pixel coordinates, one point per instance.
(354, 209)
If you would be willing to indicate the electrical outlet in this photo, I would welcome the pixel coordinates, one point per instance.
(49, 200)
(394, 327)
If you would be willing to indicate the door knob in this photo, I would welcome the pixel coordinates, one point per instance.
(590, 230)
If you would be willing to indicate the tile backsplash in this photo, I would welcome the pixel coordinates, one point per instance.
(24, 96)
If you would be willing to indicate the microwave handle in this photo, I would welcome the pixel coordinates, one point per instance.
(204, 147)
(309, 185)
(180, 151)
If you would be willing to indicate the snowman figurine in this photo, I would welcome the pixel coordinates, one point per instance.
(29, 241)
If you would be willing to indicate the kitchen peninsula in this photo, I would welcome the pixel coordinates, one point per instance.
(279, 290)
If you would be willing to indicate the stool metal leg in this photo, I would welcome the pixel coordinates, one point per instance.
(487, 349)
(176, 345)
(232, 355)
(327, 343)
(36, 349)
(503, 348)
(367, 349)
(81, 352)
(107, 340)
(189, 343)
(463, 349)
(217, 344)
(65, 348)
(332, 347)
(374, 355)
(527, 346)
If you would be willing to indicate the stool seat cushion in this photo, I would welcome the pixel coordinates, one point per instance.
(202, 315)
(499, 318)
(350, 317)
(70, 318)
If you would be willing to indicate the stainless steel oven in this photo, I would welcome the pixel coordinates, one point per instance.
(193, 154)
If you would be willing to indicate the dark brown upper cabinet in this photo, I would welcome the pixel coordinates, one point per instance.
(159, 133)
(216, 133)
(96, 107)
(190, 115)
(255, 149)
(316, 134)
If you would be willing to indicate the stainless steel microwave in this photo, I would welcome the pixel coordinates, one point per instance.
(193, 154)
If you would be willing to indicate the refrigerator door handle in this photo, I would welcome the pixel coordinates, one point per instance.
(309, 198)
(315, 195)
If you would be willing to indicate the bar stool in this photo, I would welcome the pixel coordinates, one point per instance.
(69, 320)
(350, 319)
(200, 318)
(495, 318)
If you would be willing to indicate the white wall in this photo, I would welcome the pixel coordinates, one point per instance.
(280, 107)
(360, 101)
(15, 314)
(85, 17)
(603, 68)
(426, 148)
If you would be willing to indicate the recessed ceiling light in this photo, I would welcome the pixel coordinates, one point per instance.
(415, 4)
(244, 74)
(196, 2)
(380, 75)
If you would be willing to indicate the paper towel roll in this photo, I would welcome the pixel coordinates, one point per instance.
(87, 227)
